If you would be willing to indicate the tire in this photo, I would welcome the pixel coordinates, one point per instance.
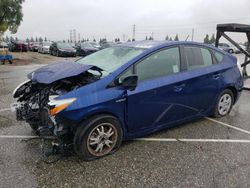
(224, 103)
(230, 51)
(97, 137)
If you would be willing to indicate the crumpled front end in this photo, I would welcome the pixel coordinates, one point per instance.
(37, 100)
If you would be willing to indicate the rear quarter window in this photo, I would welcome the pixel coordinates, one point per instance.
(218, 56)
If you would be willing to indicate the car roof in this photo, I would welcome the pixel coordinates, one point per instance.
(150, 44)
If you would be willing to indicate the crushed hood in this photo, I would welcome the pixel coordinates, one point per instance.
(58, 71)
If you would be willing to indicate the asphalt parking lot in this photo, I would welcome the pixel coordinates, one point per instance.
(204, 153)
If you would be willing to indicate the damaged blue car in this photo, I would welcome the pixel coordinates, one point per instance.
(127, 91)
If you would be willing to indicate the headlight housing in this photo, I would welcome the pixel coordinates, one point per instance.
(57, 105)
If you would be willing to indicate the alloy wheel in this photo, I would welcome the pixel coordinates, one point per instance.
(102, 139)
(225, 104)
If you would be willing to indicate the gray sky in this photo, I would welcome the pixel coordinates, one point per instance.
(114, 18)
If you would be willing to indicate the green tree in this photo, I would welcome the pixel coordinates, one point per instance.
(176, 38)
(27, 40)
(16, 39)
(170, 39)
(212, 40)
(40, 39)
(32, 39)
(10, 15)
(206, 39)
(167, 38)
(45, 39)
(36, 40)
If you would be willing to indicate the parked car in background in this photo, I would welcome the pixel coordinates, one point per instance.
(44, 47)
(18, 46)
(73, 44)
(85, 48)
(3, 45)
(227, 47)
(107, 44)
(95, 45)
(34, 46)
(128, 91)
(62, 49)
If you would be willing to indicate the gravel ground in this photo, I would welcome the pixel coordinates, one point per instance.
(137, 163)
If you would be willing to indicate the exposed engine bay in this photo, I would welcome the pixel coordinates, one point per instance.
(33, 97)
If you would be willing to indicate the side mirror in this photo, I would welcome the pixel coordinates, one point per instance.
(130, 82)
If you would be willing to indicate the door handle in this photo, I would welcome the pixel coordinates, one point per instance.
(179, 88)
(216, 75)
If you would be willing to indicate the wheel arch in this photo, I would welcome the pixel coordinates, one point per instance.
(104, 113)
(235, 93)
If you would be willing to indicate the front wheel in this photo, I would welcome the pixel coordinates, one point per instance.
(224, 103)
(98, 137)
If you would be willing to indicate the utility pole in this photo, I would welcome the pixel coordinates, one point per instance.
(70, 35)
(74, 35)
(79, 37)
(192, 34)
(133, 38)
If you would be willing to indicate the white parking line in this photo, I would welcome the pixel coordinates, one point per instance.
(25, 137)
(5, 109)
(227, 125)
(191, 140)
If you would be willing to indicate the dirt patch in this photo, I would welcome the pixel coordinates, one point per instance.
(25, 58)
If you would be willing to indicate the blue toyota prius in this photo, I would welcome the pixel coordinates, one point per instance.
(127, 91)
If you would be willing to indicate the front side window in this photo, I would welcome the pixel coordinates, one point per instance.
(160, 64)
(197, 57)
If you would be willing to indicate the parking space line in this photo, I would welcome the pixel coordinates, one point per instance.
(5, 109)
(227, 125)
(25, 137)
(191, 140)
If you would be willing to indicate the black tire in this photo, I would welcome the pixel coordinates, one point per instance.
(217, 110)
(230, 51)
(83, 147)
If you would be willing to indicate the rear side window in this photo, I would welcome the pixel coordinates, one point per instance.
(197, 57)
(160, 64)
(219, 56)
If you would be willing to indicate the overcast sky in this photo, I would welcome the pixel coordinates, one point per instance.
(115, 18)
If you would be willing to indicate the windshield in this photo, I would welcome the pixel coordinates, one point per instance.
(94, 44)
(111, 59)
(86, 45)
(64, 45)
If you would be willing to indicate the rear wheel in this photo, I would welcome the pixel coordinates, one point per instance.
(224, 103)
(98, 137)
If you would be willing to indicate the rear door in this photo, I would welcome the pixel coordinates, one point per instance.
(202, 78)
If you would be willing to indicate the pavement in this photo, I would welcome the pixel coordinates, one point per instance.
(195, 154)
